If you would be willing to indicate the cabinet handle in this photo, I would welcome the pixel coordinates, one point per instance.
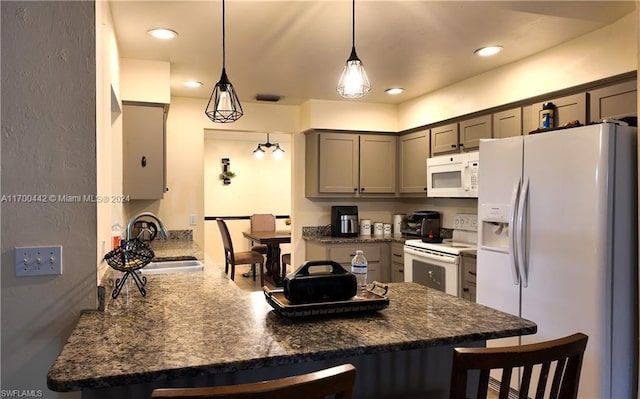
(461, 144)
(401, 270)
(472, 273)
(465, 289)
(425, 189)
(454, 146)
(143, 161)
(362, 189)
(355, 189)
(399, 256)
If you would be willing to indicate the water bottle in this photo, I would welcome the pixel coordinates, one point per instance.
(359, 269)
(116, 235)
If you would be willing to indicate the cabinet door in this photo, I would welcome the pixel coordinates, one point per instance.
(444, 139)
(507, 123)
(377, 164)
(143, 152)
(614, 101)
(397, 262)
(338, 163)
(472, 130)
(568, 109)
(413, 154)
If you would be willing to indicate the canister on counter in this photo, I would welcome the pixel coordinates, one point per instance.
(378, 229)
(365, 227)
(386, 229)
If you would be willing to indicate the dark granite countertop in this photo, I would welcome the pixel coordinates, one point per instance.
(200, 323)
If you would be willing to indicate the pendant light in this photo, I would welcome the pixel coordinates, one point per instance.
(354, 82)
(224, 106)
(278, 152)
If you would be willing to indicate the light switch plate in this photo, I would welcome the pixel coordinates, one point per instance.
(38, 261)
(193, 219)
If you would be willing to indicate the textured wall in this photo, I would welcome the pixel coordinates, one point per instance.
(48, 148)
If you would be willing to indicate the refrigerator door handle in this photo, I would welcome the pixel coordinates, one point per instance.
(513, 259)
(522, 231)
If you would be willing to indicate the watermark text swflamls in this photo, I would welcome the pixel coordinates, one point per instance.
(21, 393)
(63, 198)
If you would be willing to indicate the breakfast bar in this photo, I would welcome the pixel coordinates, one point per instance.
(199, 328)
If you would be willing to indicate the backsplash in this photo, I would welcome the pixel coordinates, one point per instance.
(326, 231)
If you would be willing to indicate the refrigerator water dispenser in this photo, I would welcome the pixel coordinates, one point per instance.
(495, 228)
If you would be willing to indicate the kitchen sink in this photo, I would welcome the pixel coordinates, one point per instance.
(174, 266)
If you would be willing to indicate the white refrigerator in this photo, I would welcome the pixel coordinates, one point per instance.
(557, 244)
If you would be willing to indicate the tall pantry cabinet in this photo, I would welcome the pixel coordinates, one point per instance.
(143, 131)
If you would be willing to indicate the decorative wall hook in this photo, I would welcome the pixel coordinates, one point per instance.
(226, 174)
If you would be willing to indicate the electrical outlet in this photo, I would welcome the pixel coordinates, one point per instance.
(192, 219)
(38, 261)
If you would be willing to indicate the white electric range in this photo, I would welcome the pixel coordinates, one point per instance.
(437, 265)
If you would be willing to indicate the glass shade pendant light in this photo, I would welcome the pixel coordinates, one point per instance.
(353, 82)
(278, 152)
(224, 106)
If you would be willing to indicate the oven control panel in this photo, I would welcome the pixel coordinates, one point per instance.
(465, 221)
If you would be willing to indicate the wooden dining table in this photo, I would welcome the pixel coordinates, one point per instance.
(274, 271)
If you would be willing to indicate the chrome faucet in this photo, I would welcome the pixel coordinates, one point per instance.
(161, 228)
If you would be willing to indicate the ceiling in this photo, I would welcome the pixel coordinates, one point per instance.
(296, 49)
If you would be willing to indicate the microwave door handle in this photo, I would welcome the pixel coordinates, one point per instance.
(465, 176)
(513, 233)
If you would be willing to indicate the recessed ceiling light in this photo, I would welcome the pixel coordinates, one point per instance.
(192, 83)
(163, 33)
(394, 90)
(488, 51)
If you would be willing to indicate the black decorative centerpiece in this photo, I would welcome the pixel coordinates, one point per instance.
(130, 256)
(326, 293)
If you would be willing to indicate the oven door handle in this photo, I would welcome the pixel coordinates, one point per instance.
(430, 256)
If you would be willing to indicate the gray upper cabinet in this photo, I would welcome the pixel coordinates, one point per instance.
(377, 164)
(413, 151)
(444, 139)
(143, 134)
(350, 164)
(615, 101)
(474, 129)
(507, 123)
(568, 109)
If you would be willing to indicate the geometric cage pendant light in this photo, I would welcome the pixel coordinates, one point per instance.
(353, 82)
(223, 105)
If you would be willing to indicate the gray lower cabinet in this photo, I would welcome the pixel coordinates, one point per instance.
(444, 139)
(474, 129)
(143, 152)
(397, 262)
(568, 109)
(615, 101)
(507, 123)
(413, 151)
(343, 164)
(377, 255)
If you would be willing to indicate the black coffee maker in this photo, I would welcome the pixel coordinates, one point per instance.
(344, 221)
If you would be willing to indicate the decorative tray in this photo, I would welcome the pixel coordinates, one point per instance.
(372, 302)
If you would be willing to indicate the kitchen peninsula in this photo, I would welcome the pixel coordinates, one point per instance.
(199, 328)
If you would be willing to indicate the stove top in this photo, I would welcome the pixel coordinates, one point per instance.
(447, 246)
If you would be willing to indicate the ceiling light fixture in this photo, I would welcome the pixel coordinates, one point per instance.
(278, 152)
(353, 82)
(223, 105)
(394, 90)
(488, 51)
(192, 83)
(163, 33)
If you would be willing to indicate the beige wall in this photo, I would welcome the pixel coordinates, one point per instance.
(260, 185)
(605, 52)
(48, 148)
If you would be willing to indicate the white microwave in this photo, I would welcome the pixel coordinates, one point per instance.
(453, 176)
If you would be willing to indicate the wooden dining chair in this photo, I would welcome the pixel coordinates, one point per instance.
(336, 381)
(231, 258)
(557, 361)
(262, 222)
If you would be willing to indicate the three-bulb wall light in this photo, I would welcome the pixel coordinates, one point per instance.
(259, 152)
